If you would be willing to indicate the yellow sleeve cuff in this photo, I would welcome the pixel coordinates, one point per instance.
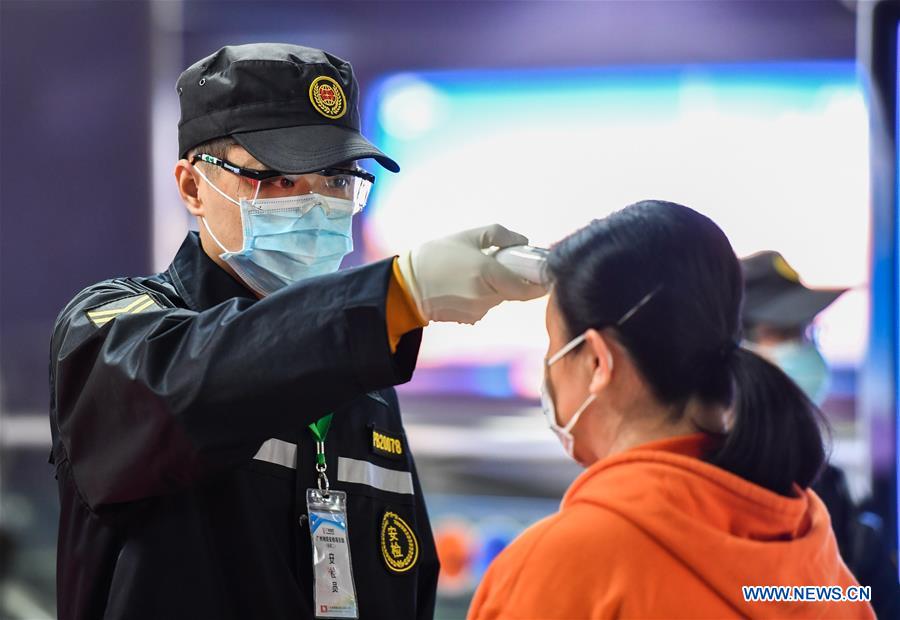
(402, 314)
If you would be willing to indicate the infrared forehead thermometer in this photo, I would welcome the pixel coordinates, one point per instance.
(526, 261)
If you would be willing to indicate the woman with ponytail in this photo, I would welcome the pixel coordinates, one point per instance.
(699, 454)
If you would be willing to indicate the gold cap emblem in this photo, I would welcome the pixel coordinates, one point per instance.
(784, 270)
(327, 97)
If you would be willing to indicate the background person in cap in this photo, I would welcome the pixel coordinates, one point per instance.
(199, 414)
(778, 314)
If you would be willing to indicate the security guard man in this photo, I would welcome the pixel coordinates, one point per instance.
(226, 437)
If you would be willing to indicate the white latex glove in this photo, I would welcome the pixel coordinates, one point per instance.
(451, 278)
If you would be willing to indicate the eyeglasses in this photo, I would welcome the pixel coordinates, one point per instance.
(343, 183)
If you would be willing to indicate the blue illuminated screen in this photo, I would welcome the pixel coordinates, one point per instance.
(776, 154)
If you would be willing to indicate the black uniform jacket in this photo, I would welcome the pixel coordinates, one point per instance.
(179, 413)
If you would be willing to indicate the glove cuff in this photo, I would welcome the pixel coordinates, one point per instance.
(410, 285)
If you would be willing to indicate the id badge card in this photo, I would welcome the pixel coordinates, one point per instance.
(335, 592)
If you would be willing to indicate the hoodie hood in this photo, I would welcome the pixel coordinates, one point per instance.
(729, 532)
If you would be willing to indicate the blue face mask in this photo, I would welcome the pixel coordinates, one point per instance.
(287, 239)
(802, 362)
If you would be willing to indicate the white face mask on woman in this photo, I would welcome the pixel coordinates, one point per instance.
(564, 433)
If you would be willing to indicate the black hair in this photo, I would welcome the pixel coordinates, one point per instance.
(685, 340)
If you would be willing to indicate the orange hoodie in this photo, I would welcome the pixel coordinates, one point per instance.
(654, 532)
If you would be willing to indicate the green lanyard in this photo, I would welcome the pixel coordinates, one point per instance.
(319, 429)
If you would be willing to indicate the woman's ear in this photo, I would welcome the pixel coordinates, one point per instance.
(601, 360)
(189, 188)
